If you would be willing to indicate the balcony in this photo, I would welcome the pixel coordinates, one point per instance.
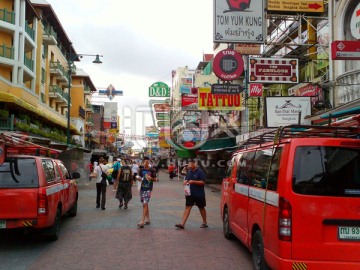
(7, 16)
(58, 70)
(349, 87)
(29, 63)
(7, 52)
(49, 36)
(55, 92)
(89, 108)
(30, 31)
(87, 90)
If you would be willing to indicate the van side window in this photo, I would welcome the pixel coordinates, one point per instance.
(274, 170)
(261, 167)
(230, 167)
(244, 169)
(49, 170)
(327, 171)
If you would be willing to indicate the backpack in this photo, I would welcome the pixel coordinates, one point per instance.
(125, 174)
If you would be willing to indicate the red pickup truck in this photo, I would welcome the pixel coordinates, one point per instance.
(35, 192)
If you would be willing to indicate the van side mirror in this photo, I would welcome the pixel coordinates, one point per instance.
(75, 175)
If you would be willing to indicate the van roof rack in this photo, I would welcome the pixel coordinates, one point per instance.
(302, 131)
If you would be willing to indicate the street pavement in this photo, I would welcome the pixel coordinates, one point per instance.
(109, 239)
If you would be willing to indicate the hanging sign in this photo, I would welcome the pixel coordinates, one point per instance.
(228, 65)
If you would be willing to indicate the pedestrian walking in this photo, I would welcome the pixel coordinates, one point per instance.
(171, 170)
(195, 178)
(90, 168)
(115, 172)
(100, 173)
(125, 182)
(147, 182)
(135, 169)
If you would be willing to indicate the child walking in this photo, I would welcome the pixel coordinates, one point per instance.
(145, 194)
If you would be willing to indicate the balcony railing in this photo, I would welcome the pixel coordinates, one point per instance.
(29, 63)
(49, 36)
(30, 31)
(7, 16)
(7, 52)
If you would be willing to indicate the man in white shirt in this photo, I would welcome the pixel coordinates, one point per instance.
(135, 170)
(101, 187)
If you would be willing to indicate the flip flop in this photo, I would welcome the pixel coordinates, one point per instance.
(140, 225)
(179, 226)
(147, 223)
(204, 225)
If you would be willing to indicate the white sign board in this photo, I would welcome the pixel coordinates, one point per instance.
(284, 111)
(239, 21)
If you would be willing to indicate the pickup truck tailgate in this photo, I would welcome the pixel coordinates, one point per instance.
(18, 204)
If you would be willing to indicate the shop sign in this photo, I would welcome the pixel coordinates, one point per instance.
(355, 22)
(159, 89)
(296, 5)
(345, 50)
(189, 102)
(239, 21)
(284, 111)
(226, 89)
(210, 101)
(228, 65)
(248, 49)
(272, 70)
(255, 90)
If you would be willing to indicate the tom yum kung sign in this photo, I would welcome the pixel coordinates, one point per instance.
(272, 70)
(239, 21)
(220, 102)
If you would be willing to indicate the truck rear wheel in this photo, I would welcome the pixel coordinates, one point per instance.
(258, 257)
(54, 230)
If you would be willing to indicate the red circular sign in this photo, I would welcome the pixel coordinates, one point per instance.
(228, 65)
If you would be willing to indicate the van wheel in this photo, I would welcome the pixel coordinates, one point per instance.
(226, 225)
(54, 230)
(258, 257)
(73, 210)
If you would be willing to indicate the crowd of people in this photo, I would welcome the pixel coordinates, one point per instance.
(124, 173)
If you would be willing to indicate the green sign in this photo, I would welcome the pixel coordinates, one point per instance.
(162, 116)
(163, 123)
(159, 89)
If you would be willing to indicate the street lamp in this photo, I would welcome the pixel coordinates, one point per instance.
(70, 62)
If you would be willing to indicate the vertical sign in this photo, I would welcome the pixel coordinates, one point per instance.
(239, 21)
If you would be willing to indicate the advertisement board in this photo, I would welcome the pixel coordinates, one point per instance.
(345, 50)
(283, 111)
(296, 5)
(221, 102)
(228, 65)
(273, 70)
(159, 89)
(240, 21)
(189, 102)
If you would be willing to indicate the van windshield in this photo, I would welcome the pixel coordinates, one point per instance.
(18, 173)
(327, 171)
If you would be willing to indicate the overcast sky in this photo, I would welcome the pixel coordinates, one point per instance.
(141, 42)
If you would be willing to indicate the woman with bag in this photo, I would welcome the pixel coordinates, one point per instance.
(125, 182)
(101, 173)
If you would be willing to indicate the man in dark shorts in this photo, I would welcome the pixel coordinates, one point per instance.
(196, 179)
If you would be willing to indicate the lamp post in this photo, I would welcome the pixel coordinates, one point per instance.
(70, 62)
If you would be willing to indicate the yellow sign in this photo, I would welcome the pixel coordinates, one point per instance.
(296, 5)
(219, 102)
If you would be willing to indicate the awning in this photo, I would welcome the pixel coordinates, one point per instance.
(219, 144)
(6, 97)
(184, 153)
(341, 113)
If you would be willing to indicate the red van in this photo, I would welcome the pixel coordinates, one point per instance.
(35, 192)
(292, 196)
(238, 4)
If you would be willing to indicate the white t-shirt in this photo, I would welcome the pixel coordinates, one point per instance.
(135, 168)
(98, 172)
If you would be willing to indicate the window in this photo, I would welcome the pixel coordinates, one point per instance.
(327, 171)
(49, 170)
(63, 170)
(43, 75)
(230, 167)
(19, 173)
(274, 170)
(244, 175)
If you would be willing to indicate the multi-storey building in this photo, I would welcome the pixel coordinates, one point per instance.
(34, 73)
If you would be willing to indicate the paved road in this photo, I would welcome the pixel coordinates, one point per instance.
(109, 239)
